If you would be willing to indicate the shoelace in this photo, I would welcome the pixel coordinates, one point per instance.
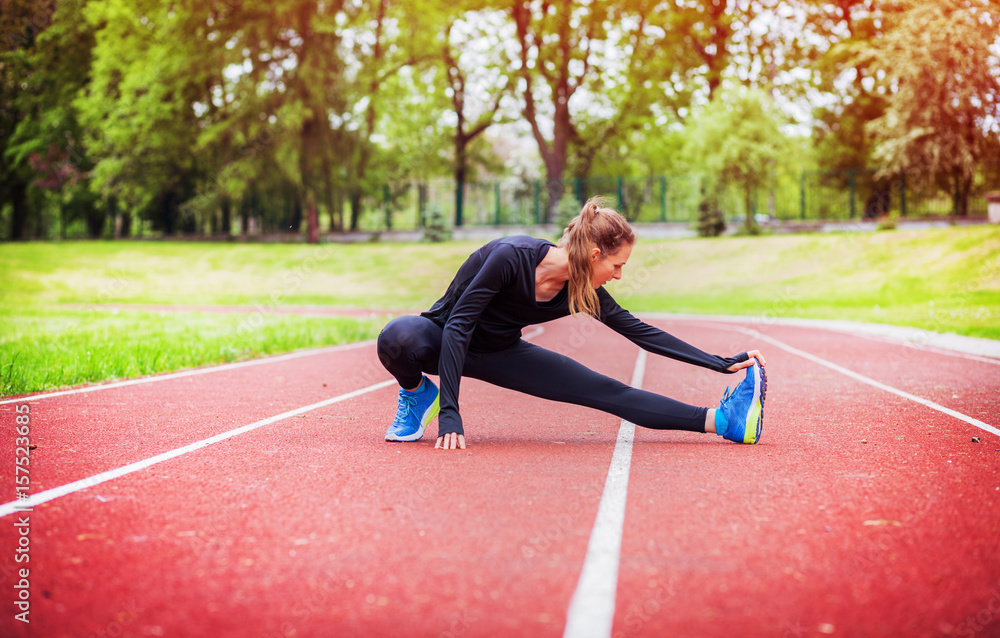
(725, 397)
(406, 403)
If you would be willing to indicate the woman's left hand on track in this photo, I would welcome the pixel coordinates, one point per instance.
(451, 441)
(752, 354)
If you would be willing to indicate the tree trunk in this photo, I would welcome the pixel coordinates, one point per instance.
(244, 214)
(749, 222)
(126, 230)
(555, 167)
(227, 217)
(963, 186)
(328, 193)
(312, 220)
(167, 217)
(355, 208)
(19, 214)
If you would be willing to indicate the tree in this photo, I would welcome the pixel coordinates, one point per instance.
(944, 110)
(49, 136)
(21, 22)
(735, 140)
(137, 109)
(473, 114)
(556, 57)
(390, 37)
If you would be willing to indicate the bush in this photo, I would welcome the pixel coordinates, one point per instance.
(886, 223)
(435, 231)
(711, 221)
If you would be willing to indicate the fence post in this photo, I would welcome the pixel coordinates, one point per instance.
(537, 193)
(621, 196)
(802, 195)
(496, 192)
(663, 198)
(852, 193)
(388, 210)
(422, 203)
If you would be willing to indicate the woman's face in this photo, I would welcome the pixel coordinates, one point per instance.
(608, 267)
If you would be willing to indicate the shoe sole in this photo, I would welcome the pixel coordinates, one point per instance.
(429, 414)
(755, 418)
(760, 418)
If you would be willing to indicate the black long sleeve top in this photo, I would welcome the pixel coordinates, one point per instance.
(492, 298)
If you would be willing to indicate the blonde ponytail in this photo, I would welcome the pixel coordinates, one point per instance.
(597, 226)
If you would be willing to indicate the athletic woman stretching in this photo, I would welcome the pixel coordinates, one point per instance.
(475, 330)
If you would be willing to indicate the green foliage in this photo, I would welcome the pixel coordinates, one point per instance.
(187, 116)
(943, 116)
(736, 140)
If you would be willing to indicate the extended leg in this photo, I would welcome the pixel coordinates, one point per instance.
(542, 373)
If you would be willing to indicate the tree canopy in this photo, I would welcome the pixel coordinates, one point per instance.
(196, 116)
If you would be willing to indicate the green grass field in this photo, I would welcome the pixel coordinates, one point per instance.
(58, 328)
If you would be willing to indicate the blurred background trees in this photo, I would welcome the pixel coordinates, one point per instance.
(122, 118)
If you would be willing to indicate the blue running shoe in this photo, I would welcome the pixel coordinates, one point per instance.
(416, 409)
(744, 407)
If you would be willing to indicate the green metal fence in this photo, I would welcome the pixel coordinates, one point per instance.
(857, 193)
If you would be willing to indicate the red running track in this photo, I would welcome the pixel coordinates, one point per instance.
(860, 513)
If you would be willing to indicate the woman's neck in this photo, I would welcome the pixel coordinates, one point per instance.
(554, 268)
(551, 274)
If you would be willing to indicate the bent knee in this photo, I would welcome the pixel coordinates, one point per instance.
(404, 334)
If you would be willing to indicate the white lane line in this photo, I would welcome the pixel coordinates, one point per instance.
(592, 610)
(191, 373)
(872, 382)
(37, 499)
(42, 497)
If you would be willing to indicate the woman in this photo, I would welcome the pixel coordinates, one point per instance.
(474, 330)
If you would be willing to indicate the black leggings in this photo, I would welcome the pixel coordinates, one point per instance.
(409, 346)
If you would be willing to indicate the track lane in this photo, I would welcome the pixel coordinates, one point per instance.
(316, 526)
(968, 385)
(298, 529)
(81, 435)
(859, 513)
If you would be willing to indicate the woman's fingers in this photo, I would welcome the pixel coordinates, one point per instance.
(754, 355)
(450, 441)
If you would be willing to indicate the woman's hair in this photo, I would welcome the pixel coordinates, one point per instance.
(596, 225)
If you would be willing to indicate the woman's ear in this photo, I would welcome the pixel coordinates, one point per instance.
(595, 252)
